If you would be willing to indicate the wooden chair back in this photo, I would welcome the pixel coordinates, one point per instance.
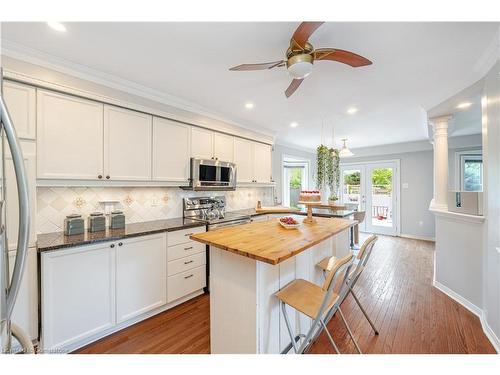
(336, 267)
(359, 216)
(366, 249)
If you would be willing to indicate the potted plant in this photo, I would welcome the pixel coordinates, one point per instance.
(328, 172)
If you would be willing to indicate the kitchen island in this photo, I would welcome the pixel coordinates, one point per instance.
(248, 264)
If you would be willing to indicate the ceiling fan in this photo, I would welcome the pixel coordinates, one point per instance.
(301, 55)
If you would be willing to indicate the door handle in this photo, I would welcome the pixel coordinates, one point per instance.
(23, 201)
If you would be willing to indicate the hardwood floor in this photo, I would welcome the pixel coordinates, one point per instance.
(396, 290)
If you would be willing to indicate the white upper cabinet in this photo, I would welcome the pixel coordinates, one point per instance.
(202, 143)
(262, 162)
(69, 137)
(127, 144)
(171, 150)
(253, 161)
(223, 147)
(21, 103)
(141, 275)
(243, 157)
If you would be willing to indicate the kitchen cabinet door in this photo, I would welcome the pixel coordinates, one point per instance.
(243, 157)
(141, 275)
(12, 202)
(78, 295)
(202, 143)
(25, 313)
(171, 150)
(21, 103)
(224, 147)
(69, 137)
(127, 144)
(262, 162)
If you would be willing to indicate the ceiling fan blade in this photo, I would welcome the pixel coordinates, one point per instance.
(293, 86)
(342, 56)
(261, 66)
(304, 32)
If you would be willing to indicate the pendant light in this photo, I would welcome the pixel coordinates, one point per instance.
(344, 151)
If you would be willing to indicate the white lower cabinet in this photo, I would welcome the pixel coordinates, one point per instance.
(141, 275)
(78, 294)
(90, 291)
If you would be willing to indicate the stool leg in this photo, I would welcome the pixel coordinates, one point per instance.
(349, 331)
(329, 336)
(364, 312)
(287, 322)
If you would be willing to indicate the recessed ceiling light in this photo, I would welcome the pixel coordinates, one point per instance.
(464, 105)
(352, 110)
(293, 124)
(249, 105)
(57, 26)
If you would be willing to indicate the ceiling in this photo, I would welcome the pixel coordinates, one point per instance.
(415, 67)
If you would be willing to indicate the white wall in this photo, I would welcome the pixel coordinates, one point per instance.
(417, 172)
(491, 155)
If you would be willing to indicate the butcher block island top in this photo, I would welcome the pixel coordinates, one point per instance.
(269, 242)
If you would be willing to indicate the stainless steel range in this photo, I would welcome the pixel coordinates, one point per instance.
(212, 211)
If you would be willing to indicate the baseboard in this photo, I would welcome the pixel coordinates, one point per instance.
(410, 236)
(473, 309)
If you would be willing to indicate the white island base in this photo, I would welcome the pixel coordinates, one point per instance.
(244, 314)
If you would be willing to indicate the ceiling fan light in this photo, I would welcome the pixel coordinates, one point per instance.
(300, 66)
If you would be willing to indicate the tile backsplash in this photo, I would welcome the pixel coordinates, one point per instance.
(137, 203)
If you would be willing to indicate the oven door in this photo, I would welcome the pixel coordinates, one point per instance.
(231, 223)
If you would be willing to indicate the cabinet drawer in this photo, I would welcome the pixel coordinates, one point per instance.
(185, 249)
(182, 236)
(184, 283)
(185, 264)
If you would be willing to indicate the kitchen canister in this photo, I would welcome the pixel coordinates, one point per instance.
(96, 222)
(117, 220)
(74, 224)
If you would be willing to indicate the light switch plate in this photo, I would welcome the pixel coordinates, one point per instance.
(405, 185)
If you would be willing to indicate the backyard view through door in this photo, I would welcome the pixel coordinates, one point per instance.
(371, 188)
(295, 179)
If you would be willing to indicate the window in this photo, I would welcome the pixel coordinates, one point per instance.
(295, 179)
(470, 170)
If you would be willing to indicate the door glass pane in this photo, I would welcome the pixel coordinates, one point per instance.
(382, 196)
(295, 183)
(351, 195)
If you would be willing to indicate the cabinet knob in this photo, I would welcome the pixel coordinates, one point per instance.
(187, 277)
(107, 177)
(189, 261)
(120, 243)
(100, 176)
(112, 245)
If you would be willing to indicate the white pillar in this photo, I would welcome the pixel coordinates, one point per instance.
(440, 135)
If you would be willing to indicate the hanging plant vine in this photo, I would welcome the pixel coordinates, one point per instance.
(334, 177)
(328, 171)
(322, 155)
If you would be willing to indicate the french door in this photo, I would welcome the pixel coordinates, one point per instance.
(373, 188)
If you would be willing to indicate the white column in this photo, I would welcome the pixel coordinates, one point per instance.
(440, 132)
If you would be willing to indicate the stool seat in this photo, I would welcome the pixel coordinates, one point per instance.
(305, 297)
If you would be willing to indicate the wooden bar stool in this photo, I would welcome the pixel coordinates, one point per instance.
(315, 302)
(354, 274)
(360, 217)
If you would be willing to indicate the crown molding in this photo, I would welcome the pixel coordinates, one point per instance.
(48, 61)
(490, 56)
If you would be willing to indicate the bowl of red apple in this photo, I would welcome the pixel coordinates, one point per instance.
(289, 222)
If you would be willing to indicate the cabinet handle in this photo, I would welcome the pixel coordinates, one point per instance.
(112, 245)
(189, 261)
(188, 248)
(187, 277)
(107, 177)
(100, 176)
(188, 234)
(120, 243)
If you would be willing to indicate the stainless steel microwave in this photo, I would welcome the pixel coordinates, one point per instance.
(212, 174)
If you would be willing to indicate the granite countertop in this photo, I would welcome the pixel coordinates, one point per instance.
(57, 240)
(320, 212)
